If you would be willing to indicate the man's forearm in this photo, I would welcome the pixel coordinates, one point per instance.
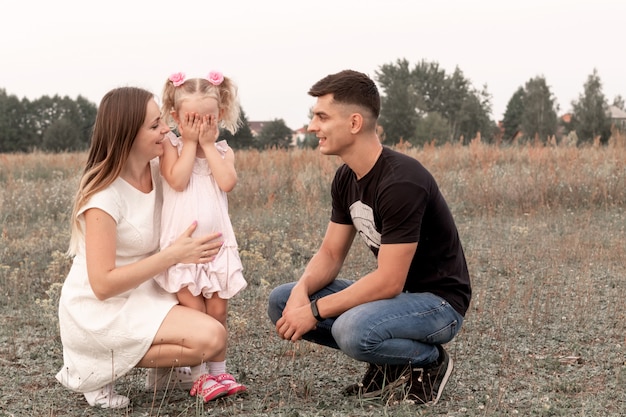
(321, 271)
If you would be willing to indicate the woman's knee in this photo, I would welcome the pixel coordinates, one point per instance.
(217, 334)
(211, 340)
(201, 334)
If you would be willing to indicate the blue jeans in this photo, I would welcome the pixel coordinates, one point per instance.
(404, 329)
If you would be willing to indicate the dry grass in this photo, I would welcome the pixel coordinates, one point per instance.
(543, 229)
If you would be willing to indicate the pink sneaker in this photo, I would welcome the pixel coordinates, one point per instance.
(208, 388)
(231, 384)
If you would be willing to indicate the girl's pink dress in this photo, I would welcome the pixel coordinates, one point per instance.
(203, 201)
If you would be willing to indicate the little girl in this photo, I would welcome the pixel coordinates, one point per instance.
(199, 172)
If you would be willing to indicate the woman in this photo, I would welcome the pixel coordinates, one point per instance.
(112, 315)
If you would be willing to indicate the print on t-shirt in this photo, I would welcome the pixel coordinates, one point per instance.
(363, 220)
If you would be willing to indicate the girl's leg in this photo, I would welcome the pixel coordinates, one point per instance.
(187, 299)
(217, 308)
(174, 345)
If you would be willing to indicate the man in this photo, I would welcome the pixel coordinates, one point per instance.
(398, 316)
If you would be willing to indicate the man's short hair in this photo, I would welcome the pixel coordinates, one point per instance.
(349, 87)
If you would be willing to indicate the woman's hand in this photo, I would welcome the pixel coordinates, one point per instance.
(108, 279)
(196, 250)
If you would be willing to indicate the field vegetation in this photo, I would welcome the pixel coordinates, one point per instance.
(544, 232)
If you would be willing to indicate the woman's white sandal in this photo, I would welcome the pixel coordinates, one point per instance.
(162, 378)
(106, 397)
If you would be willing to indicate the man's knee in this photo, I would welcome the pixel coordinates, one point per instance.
(277, 301)
(349, 336)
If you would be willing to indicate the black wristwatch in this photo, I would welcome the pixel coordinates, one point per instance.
(315, 311)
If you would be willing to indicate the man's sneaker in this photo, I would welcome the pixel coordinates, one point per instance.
(162, 378)
(378, 379)
(427, 383)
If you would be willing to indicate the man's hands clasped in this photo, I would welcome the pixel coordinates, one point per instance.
(297, 318)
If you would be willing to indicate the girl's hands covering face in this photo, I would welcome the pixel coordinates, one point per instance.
(190, 127)
(209, 131)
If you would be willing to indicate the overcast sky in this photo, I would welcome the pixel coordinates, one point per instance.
(276, 49)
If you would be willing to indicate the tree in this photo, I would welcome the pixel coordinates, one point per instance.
(275, 134)
(474, 117)
(590, 115)
(539, 119)
(243, 138)
(84, 116)
(39, 124)
(512, 120)
(12, 132)
(62, 135)
(412, 97)
(432, 127)
(432, 87)
(456, 92)
(398, 115)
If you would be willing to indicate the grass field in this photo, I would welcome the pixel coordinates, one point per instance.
(543, 229)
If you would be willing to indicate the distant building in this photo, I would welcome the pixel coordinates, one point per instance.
(618, 117)
(297, 136)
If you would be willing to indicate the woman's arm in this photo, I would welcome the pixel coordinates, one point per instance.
(107, 280)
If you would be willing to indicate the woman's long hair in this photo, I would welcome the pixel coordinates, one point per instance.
(121, 114)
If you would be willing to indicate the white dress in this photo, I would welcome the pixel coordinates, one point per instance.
(205, 202)
(103, 340)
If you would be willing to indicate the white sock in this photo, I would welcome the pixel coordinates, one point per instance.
(217, 368)
(198, 370)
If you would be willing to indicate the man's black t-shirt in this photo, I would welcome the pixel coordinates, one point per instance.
(398, 201)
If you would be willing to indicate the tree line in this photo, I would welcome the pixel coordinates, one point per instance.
(56, 124)
(48, 123)
(424, 103)
(532, 111)
(420, 104)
